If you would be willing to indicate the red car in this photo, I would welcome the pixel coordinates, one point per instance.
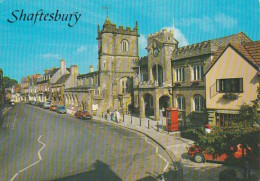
(53, 108)
(83, 115)
(199, 155)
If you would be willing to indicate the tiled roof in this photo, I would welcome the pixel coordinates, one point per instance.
(250, 50)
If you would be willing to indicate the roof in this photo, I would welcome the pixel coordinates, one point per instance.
(209, 46)
(87, 74)
(250, 51)
(62, 79)
(52, 71)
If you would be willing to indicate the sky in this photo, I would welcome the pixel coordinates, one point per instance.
(27, 48)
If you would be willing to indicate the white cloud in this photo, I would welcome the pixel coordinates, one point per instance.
(207, 24)
(178, 35)
(50, 56)
(225, 20)
(81, 49)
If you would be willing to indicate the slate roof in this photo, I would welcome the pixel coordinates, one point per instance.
(208, 47)
(62, 79)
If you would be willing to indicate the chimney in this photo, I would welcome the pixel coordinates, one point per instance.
(46, 71)
(73, 73)
(62, 67)
(91, 69)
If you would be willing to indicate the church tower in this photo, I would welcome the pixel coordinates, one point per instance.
(117, 48)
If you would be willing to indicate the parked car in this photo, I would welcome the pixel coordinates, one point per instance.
(61, 110)
(83, 115)
(53, 107)
(198, 154)
(40, 104)
(33, 103)
(46, 105)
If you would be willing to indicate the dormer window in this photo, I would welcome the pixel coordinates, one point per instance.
(124, 46)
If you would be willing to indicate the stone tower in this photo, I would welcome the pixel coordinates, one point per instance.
(159, 48)
(117, 48)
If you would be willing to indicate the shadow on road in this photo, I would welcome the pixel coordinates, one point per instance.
(101, 172)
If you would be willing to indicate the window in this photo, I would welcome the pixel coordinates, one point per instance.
(96, 92)
(179, 74)
(198, 103)
(230, 85)
(197, 73)
(181, 102)
(124, 46)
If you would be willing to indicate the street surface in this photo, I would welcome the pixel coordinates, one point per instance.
(37, 144)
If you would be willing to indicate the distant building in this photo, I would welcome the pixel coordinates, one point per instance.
(33, 87)
(25, 83)
(16, 93)
(44, 84)
(67, 79)
(232, 79)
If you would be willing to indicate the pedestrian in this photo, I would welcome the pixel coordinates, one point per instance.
(117, 116)
(108, 117)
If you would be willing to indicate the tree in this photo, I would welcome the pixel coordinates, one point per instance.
(243, 130)
(9, 82)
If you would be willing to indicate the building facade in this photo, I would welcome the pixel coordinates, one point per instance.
(152, 85)
(189, 63)
(25, 82)
(226, 90)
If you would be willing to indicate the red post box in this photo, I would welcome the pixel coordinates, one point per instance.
(172, 119)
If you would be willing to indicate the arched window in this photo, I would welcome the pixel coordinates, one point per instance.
(124, 46)
(198, 103)
(180, 102)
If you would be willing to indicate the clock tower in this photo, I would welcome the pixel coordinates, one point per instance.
(160, 47)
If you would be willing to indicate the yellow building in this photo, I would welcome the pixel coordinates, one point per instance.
(231, 80)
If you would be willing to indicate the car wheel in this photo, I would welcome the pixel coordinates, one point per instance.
(199, 158)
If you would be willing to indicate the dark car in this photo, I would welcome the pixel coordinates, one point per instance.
(61, 110)
(83, 115)
(53, 107)
(40, 104)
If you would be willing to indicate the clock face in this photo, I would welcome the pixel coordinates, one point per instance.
(155, 52)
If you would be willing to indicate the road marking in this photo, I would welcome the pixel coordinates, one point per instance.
(167, 163)
(40, 158)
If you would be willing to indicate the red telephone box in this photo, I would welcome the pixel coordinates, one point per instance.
(172, 119)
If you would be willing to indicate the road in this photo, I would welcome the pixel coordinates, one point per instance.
(38, 144)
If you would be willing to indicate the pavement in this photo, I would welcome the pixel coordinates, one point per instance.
(176, 147)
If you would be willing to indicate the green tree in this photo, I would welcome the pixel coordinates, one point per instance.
(243, 130)
(9, 82)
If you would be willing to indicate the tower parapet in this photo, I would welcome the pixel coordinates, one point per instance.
(109, 27)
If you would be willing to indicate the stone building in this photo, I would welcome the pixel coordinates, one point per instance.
(110, 87)
(33, 87)
(153, 80)
(50, 76)
(189, 63)
(25, 82)
(66, 80)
